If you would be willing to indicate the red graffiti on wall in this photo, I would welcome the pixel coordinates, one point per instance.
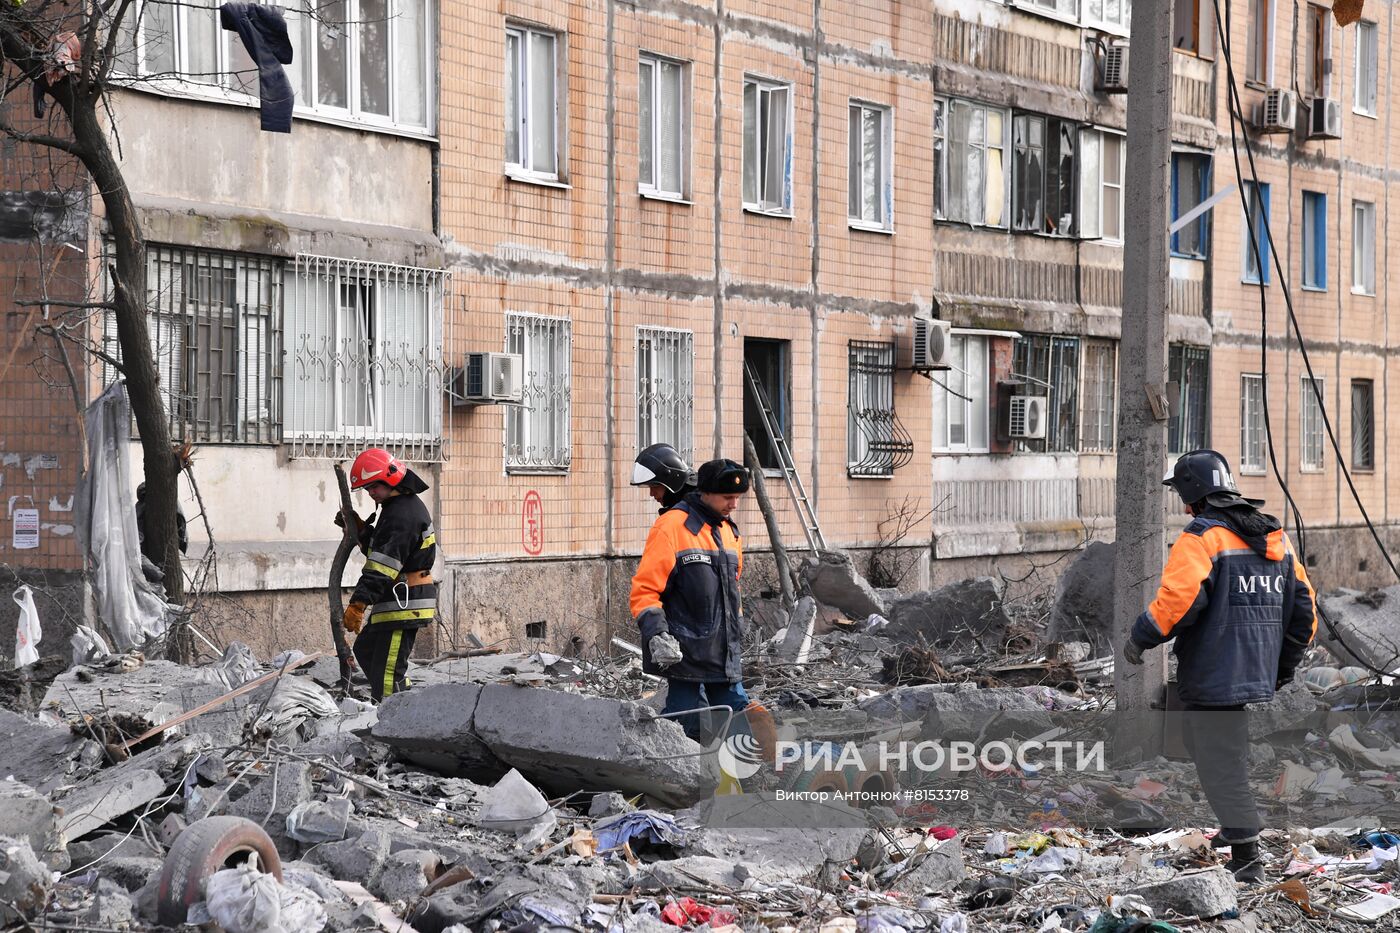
(532, 524)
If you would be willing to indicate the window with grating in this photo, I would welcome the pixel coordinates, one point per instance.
(537, 430)
(1363, 425)
(876, 442)
(665, 388)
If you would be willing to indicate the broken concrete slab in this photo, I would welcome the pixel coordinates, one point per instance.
(28, 815)
(797, 638)
(405, 874)
(432, 727)
(910, 702)
(273, 797)
(116, 792)
(965, 713)
(834, 580)
(968, 614)
(690, 873)
(24, 882)
(112, 908)
(131, 873)
(1369, 626)
(110, 845)
(1207, 893)
(1293, 709)
(939, 871)
(359, 859)
(320, 821)
(152, 693)
(44, 756)
(1083, 608)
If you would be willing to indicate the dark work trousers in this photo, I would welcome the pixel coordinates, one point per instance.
(382, 652)
(682, 695)
(1218, 739)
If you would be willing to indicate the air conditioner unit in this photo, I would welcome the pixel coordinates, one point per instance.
(1113, 79)
(488, 378)
(1278, 112)
(1027, 421)
(1324, 118)
(932, 339)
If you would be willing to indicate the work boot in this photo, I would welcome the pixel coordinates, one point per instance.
(1245, 863)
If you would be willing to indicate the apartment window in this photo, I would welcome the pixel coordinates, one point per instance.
(1310, 423)
(1113, 16)
(870, 189)
(665, 388)
(1193, 27)
(1367, 71)
(1050, 367)
(1317, 68)
(767, 146)
(1253, 433)
(970, 171)
(1189, 369)
(365, 60)
(364, 346)
(215, 324)
(876, 442)
(1260, 68)
(537, 430)
(1314, 240)
(1363, 248)
(1101, 168)
(662, 126)
(532, 95)
(1257, 260)
(960, 398)
(1059, 9)
(1363, 425)
(1043, 175)
(1100, 376)
(1190, 186)
(768, 361)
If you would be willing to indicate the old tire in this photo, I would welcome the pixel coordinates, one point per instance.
(201, 850)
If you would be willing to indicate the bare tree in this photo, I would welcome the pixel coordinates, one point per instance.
(66, 53)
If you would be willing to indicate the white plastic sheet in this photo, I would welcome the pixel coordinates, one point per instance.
(244, 900)
(27, 630)
(133, 610)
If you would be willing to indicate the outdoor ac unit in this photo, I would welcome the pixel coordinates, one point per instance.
(1114, 77)
(1324, 118)
(1027, 420)
(492, 377)
(1278, 113)
(931, 341)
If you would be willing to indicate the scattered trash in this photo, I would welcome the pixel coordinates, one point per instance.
(28, 632)
(244, 900)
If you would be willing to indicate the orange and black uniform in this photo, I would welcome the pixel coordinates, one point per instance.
(397, 586)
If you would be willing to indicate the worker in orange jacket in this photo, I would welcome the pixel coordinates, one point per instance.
(1238, 604)
(685, 597)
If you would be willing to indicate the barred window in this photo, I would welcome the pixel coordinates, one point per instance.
(665, 388)
(1253, 434)
(537, 430)
(365, 359)
(1189, 368)
(876, 442)
(1363, 424)
(1100, 377)
(1050, 366)
(1310, 423)
(215, 322)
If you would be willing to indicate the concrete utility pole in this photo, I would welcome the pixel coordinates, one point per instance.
(1142, 364)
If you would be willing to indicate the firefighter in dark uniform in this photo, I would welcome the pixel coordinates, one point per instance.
(1237, 602)
(396, 595)
(665, 473)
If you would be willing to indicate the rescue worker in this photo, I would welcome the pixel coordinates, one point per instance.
(685, 597)
(396, 595)
(1238, 603)
(665, 473)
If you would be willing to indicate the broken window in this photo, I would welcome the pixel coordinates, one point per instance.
(531, 102)
(768, 361)
(1115, 16)
(1190, 186)
(876, 442)
(767, 146)
(1049, 366)
(969, 147)
(960, 396)
(661, 125)
(1044, 175)
(1253, 434)
(870, 201)
(1193, 30)
(1100, 377)
(1317, 68)
(665, 388)
(1189, 369)
(1257, 259)
(537, 430)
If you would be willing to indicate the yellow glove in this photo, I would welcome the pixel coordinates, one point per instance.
(354, 618)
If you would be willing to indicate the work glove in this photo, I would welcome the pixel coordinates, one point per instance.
(665, 650)
(359, 522)
(354, 618)
(1132, 652)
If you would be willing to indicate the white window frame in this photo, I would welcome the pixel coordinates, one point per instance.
(757, 148)
(1098, 416)
(1094, 185)
(945, 158)
(224, 86)
(649, 69)
(1253, 434)
(1064, 11)
(1367, 58)
(975, 405)
(521, 164)
(1267, 34)
(856, 113)
(660, 399)
(547, 447)
(1310, 429)
(1098, 15)
(1363, 248)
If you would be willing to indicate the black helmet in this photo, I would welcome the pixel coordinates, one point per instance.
(723, 476)
(1203, 473)
(661, 465)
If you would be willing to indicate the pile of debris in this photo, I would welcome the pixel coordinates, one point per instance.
(536, 790)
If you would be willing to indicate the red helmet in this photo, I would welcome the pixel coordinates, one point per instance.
(376, 465)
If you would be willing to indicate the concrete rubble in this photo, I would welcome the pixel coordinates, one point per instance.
(537, 790)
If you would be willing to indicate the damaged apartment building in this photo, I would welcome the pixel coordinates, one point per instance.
(516, 243)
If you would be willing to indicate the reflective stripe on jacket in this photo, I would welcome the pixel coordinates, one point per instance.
(1239, 607)
(688, 584)
(401, 550)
